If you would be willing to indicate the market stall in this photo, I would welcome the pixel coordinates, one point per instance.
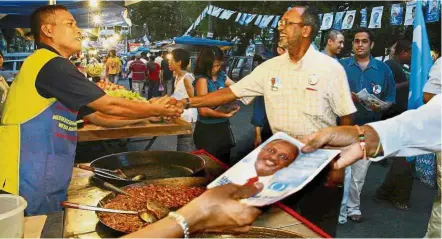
(85, 224)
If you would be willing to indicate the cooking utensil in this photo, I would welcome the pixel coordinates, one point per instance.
(143, 215)
(181, 181)
(255, 232)
(100, 171)
(150, 164)
(159, 210)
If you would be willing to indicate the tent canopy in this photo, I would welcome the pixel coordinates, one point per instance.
(187, 40)
(18, 12)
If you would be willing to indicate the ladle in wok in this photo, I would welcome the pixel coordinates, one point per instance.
(116, 174)
(146, 216)
(159, 210)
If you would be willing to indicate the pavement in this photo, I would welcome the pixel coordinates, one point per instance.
(381, 220)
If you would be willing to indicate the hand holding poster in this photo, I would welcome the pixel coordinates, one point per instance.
(327, 21)
(280, 165)
(349, 20)
(376, 17)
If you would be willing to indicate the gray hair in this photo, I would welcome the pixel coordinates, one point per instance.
(310, 18)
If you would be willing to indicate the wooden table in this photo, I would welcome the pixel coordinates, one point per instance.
(92, 132)
(83, 224)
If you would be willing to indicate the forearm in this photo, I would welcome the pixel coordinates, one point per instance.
(413, 132)
(372, 141)
(346, 120)
(100, 119)
(207, 112)
(125, 108)
(219, 97)
(258, 131)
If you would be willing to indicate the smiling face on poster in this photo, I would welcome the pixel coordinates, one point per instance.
(433, 11)
(279, 165)
(376, 16)
(349, 20)
(327, 21)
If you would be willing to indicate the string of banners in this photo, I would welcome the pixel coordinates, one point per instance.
(333, 20)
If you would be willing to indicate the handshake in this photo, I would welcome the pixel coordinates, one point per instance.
(167, 107)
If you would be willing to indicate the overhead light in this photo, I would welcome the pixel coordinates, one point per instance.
(93, 3)
(117, 36)
(96, 19)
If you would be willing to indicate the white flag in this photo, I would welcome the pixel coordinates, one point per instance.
(226, 14)
(216, 11)
(265, 21)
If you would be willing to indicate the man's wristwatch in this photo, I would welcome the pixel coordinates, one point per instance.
(187, 105)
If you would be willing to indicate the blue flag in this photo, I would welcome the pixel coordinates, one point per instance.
(421, 60)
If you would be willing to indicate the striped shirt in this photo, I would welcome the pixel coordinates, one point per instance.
(139, 70)
(300, 98)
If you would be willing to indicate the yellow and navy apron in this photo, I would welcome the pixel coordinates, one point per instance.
(38, 137)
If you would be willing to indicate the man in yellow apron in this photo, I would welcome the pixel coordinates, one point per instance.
(38, 132)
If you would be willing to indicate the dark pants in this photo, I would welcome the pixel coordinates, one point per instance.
(130, 83)
(217, 139)
(398, 182)
(153, 89)
(318, 204)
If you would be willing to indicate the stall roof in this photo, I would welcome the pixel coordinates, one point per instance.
(18, 12)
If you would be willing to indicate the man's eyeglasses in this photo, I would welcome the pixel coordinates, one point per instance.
(283, 23)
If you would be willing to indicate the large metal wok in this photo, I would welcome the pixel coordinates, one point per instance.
(107, 231)
(151, 164)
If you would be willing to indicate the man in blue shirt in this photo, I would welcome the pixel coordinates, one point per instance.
(365, 72)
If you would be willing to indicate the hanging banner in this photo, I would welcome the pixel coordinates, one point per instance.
(249, 18)
(216, 11)
(337, 24)
(376, 17)
(410, 13)
(363, 17)
(432, 14)
(265, 21)
(226, 14)
(238, 17)
(275, 22)
(327, 21)
(258, 20)
(349, 19)
(397, 14)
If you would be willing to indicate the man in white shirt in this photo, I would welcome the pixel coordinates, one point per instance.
(432, 88)
(304, 91)
(412, 133)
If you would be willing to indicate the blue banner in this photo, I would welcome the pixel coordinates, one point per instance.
(397, 14)
(337, 24)
(364, 17)
(432, 13)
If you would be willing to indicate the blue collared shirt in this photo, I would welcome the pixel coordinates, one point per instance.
(376, 74)
(323, 51)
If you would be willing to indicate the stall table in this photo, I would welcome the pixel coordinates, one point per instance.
(143, 129)
(84, 224)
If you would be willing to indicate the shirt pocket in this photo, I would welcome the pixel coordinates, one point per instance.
(314, 102)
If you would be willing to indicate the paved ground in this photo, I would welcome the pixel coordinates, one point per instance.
(381, 219)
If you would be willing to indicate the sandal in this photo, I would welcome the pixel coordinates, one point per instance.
(355, 218)
(400, 206)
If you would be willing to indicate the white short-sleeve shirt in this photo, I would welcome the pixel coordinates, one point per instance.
(300, 98)
(433, 84)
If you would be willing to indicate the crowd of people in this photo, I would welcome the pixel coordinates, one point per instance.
(302, 92)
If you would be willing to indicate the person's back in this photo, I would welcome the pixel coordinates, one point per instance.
(138, 70)
(154, 78)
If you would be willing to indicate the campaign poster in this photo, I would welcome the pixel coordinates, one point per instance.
(376, 17)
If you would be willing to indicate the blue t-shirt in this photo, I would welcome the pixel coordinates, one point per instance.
(376, 77)
(212, 86)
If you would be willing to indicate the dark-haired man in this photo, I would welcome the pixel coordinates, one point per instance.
(335, 44)
(304, 91)
(365, 72)
(398, 182)
(38, 131)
